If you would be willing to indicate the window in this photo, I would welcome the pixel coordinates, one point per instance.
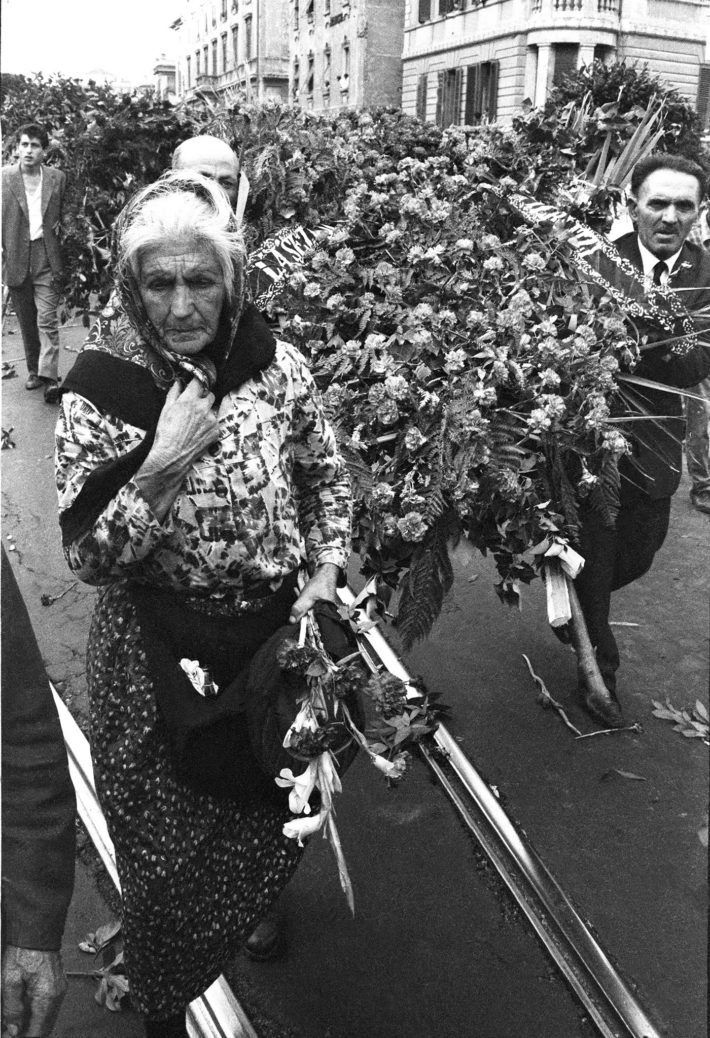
(326, 8)
(446, 6)
(565, 61)
(326, 69)
(235, 45)
(214, 57)
(481, 93)
(224, 52)
(247, 38)
(346, 59)
(309, 79)
(296, 81)
(224, 10)
(206, 60)
(309, 10)
(197, 62)
(188, 63)
(448, 97)
(296, 12)
(424, 10)
(603, 53)
(421, 97)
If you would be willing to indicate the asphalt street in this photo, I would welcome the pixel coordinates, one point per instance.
(436, 948)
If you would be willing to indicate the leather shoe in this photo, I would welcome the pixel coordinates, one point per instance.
(267, 941)
(604, 709)
(700, 499)
(33, 381)
(51, 392)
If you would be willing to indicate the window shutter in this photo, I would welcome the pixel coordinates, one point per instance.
(421, 97)
(472, 89)
(458, 90)
(703, 101)
(440, 88)
(492, 106)
(424, 10)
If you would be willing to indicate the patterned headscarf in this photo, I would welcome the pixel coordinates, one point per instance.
(165, 364)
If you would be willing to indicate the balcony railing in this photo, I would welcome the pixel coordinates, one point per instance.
(602, 6)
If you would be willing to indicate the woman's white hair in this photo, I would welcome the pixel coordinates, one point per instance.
(183, 207)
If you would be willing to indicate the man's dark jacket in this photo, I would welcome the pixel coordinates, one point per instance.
(16, 223)
(656, 464)
(38, 804)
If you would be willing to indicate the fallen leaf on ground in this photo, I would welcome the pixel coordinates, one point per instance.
(623, 774)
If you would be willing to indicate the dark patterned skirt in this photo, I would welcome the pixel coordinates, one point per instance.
(197, 873)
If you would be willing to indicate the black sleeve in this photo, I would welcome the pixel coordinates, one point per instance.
(38, 803)
(675, 369)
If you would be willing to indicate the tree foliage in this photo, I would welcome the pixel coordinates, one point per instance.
(109, 144)
(629, 88)
(593, 115)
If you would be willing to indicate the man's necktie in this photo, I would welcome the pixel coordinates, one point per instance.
(660, 271)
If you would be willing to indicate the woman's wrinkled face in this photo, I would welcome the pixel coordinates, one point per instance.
(182, 288)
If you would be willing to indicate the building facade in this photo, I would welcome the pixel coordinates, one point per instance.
(345, 53)
(465, 61)
(226, 44)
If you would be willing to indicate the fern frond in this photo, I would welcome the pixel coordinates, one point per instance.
(504, 442)
(359, 471)
(424, 586)
(605, 497)
(435, 505)
(562, 488)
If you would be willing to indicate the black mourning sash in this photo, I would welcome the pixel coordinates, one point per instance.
(127, 391)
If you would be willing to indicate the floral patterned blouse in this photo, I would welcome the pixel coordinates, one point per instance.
(270, 493)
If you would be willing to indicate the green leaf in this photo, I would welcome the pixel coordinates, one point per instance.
(106, 932)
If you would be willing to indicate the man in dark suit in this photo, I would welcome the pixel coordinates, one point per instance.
(32, 199)
(38, 835)
(666, 194)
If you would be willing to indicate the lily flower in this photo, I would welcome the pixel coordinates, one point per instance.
(305, 720)
(391, 769)
(302, 787)
(328, 779)
(301, 828)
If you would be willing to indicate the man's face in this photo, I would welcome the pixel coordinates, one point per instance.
(223, 172)
(31, 152)
(667, 206)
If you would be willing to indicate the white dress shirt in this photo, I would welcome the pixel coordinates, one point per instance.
(650, 261)
(34, 205)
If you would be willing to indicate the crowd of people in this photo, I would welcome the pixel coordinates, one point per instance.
(197, 476)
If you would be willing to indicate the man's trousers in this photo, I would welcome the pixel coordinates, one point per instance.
(35, 302)
(614, 557)
(697, 438)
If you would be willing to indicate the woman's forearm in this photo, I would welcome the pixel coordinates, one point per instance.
(160, 484)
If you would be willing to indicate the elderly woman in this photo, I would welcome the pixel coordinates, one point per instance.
(196, 474)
